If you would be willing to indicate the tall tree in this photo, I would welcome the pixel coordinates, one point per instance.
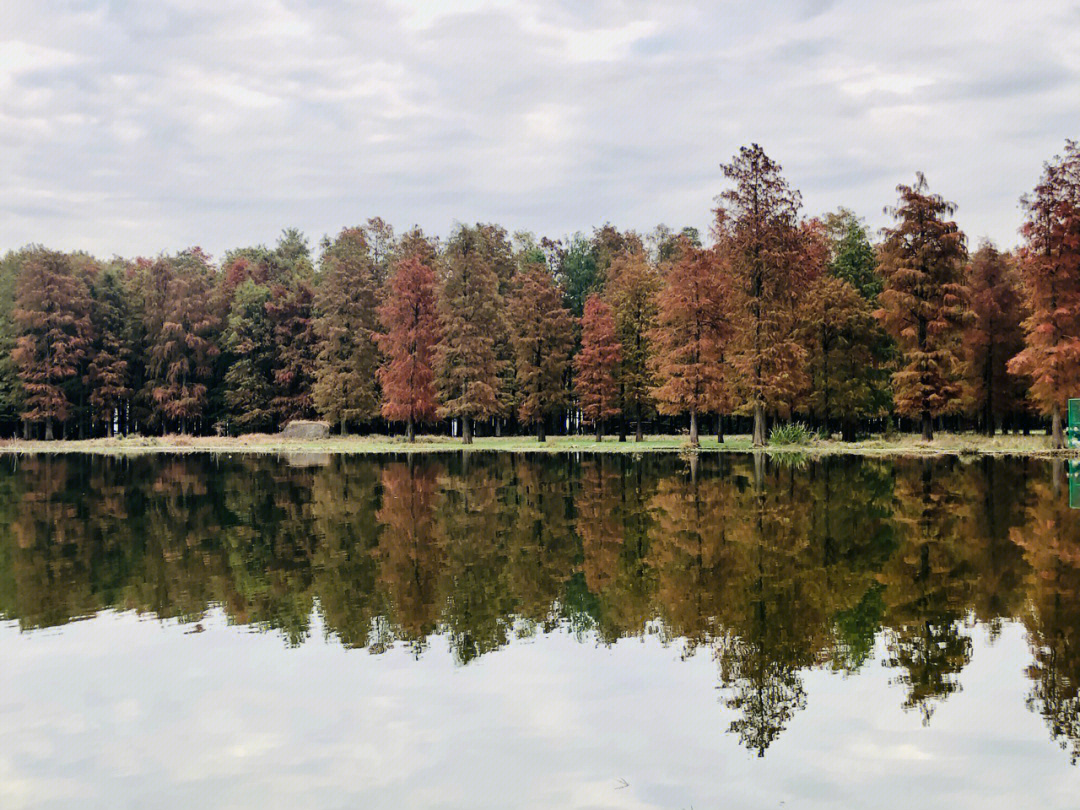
(410, 323)
(632, 285)
(182, 333)
(596, 364)
(291, 318)
(757, 230)
(249, 346)
(470, 315)
(10, 387)
(1050, 267)
(993, 336)
(52, 319)
(690, 335)
(108, 374)
(922, 261)
(346, 298)
(838, 330)
(541, 333)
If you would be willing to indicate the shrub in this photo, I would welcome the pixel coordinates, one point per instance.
(791, 433)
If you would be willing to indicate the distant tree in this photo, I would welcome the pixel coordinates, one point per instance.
(851, 256)
(410, 324)
(182, 334)
(576, 270)
(10, 386)
(757, 230)
(470, 314)
(838, 331)
(993, 336)
(345, 387)
(632, 285)
(108, 374)
(541, 332)
(379, 235)
(249, 346)
(922, 304)
(53, 335)
(1050, 267)
(597, 363)
(691, 332)
(290, 313)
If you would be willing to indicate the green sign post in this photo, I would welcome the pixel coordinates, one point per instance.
(1072, 432)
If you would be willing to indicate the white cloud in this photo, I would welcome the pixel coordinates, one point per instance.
(220, 124)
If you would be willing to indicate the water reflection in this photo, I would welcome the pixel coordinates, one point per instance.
(774, 568)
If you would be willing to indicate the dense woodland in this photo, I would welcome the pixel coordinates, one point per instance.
(774, 316)
(771, 569)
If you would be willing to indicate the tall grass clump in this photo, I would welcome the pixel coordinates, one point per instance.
(791, 433)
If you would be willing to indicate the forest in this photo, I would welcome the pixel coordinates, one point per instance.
(774, 316)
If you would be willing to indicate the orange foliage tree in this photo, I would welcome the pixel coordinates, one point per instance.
(691, 332)
(632, 284)
(757, 231)
(993, 336)
(922, 263)
(52, 319)
(596, 363)
(1050, 266)
(410, 319)
(542, 339)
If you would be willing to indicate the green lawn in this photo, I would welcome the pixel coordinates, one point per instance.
(901, 444)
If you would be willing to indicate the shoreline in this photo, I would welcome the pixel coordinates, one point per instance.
(944, 444)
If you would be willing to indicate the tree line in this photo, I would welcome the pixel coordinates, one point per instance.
(780, 316)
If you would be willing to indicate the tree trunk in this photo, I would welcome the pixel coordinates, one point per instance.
(48, 430)
(719, 428)
(693, 430)
(466, 429)
(498, 427)
(622, 427)
(599, 430)
(847, 429)
(759, 424)
(26, 430)
(638, 433)
(1057, 436)
(410, 430)
(344, 429)
(540, 435)
(927, 426)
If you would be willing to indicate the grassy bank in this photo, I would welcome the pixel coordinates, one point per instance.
(943, 444)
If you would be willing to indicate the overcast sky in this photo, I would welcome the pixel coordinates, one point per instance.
(136, 127)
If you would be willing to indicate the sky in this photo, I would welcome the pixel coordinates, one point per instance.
(133, 128)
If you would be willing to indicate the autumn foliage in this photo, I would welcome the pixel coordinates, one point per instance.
(410, 323)
(596, 365)
(1050, 267)
(922, 305)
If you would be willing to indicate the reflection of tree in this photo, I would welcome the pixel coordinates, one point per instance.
(1050, 539)
(775, 569)
(411, 560)
(929, 582)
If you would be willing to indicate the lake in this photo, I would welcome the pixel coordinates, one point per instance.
(535, 631)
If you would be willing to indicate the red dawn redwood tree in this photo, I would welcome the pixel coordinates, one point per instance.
(994, 335)
(1050, 267)
(53, 328)
(922, 305)
(758, 233)
(689, 338)
(410, 322)
(182, 337)
(291, 317)
(541, 333)
(596, 364)
(470, 314)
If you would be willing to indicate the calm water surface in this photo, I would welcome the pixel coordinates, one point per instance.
(537, 631)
